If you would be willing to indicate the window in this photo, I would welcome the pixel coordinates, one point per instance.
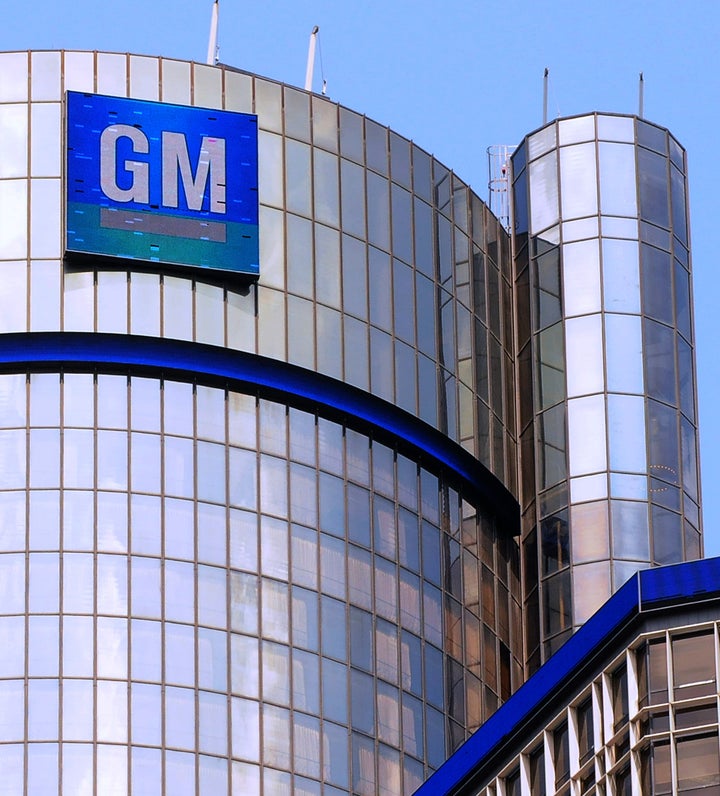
(693, 665)
(561, 753)
(537, 772)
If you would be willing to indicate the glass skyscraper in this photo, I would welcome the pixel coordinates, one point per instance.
(264, 536)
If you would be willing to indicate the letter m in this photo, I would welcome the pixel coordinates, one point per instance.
(211, 163)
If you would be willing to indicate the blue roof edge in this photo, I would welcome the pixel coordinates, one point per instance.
(646, 591)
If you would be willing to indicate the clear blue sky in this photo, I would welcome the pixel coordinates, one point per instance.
(457, 76)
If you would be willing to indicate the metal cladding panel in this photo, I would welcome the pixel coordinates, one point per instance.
(162, 183)
(681, 583)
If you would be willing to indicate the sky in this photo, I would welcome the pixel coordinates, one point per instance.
(456, 77)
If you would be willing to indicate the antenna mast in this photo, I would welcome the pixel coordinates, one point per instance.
(311, 59)
(213, 53)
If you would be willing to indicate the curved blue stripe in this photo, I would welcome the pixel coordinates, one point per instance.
(214, 365)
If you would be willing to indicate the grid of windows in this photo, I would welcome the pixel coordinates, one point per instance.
(605, 340)
(288, 600)
(379, 266)
(647, 724)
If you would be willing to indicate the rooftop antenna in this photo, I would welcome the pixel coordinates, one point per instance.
(213, 53)
(545, 94)
(311, 59)
(641, 92)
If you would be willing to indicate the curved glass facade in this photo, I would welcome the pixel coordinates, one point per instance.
(211, 587)
(608, 424)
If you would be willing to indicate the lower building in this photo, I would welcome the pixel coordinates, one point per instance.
(629, 705)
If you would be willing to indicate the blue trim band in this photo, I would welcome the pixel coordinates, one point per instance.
(505, 733)
(212, 365)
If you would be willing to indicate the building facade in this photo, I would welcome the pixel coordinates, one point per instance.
(258, 537)
(264, 535)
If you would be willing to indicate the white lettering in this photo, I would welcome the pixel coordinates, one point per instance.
(139, 190)
(211, 163)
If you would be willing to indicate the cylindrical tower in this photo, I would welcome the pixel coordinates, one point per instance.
(257, 537)
(607, 403)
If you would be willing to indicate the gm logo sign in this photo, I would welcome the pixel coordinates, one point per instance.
(161, 183)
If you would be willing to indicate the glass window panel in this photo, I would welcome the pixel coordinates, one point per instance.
(211, 534)
(211, 472)
(542, 141)
(353, 198)
(552, 365)
(178, 466)
(43, 646)
(42, 773)
(12, 520)
(12, 709)
(179, 645)
(209, 315)
(212, 720)
(586, 432)
(179, 529)
(243, 602)
(14, 132)
(77, 711)
(12, 637)
(45, 76)
(617, 179)
(657, 284)
(179, 591)
(145, 462)
(112, 641)
(621, 276)
(146, 714)
(212, 596)
(326, 187)
(630, 530)
(590, 532)
(175, 83)
(693, 665)
(245, 731)
(660, 361)
(13, 399)
(578, 181)
(177, 308)
(44, 520)
(571, 131)
(277, 730)
(591, 589)
(543, 191)
(275, 610)
(44, 400)
(623, 339)
(584, 355)
(244, 666)
(378, 211)
(581, 277)
(180, 717)
(111, 711)
(297, 177)
(13, 218)
(667, 534)
(43, 588)
(332, 620)
(45, 458)
(112, 460)
(616, 128)
(112, 74)
(144, 77)
(112, 401)
(12, 458)
(626, 430)
(653, 182)
(43, 711)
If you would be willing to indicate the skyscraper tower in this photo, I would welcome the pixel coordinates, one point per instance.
(607, 420)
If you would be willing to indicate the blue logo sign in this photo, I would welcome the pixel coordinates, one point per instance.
(162, 183)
